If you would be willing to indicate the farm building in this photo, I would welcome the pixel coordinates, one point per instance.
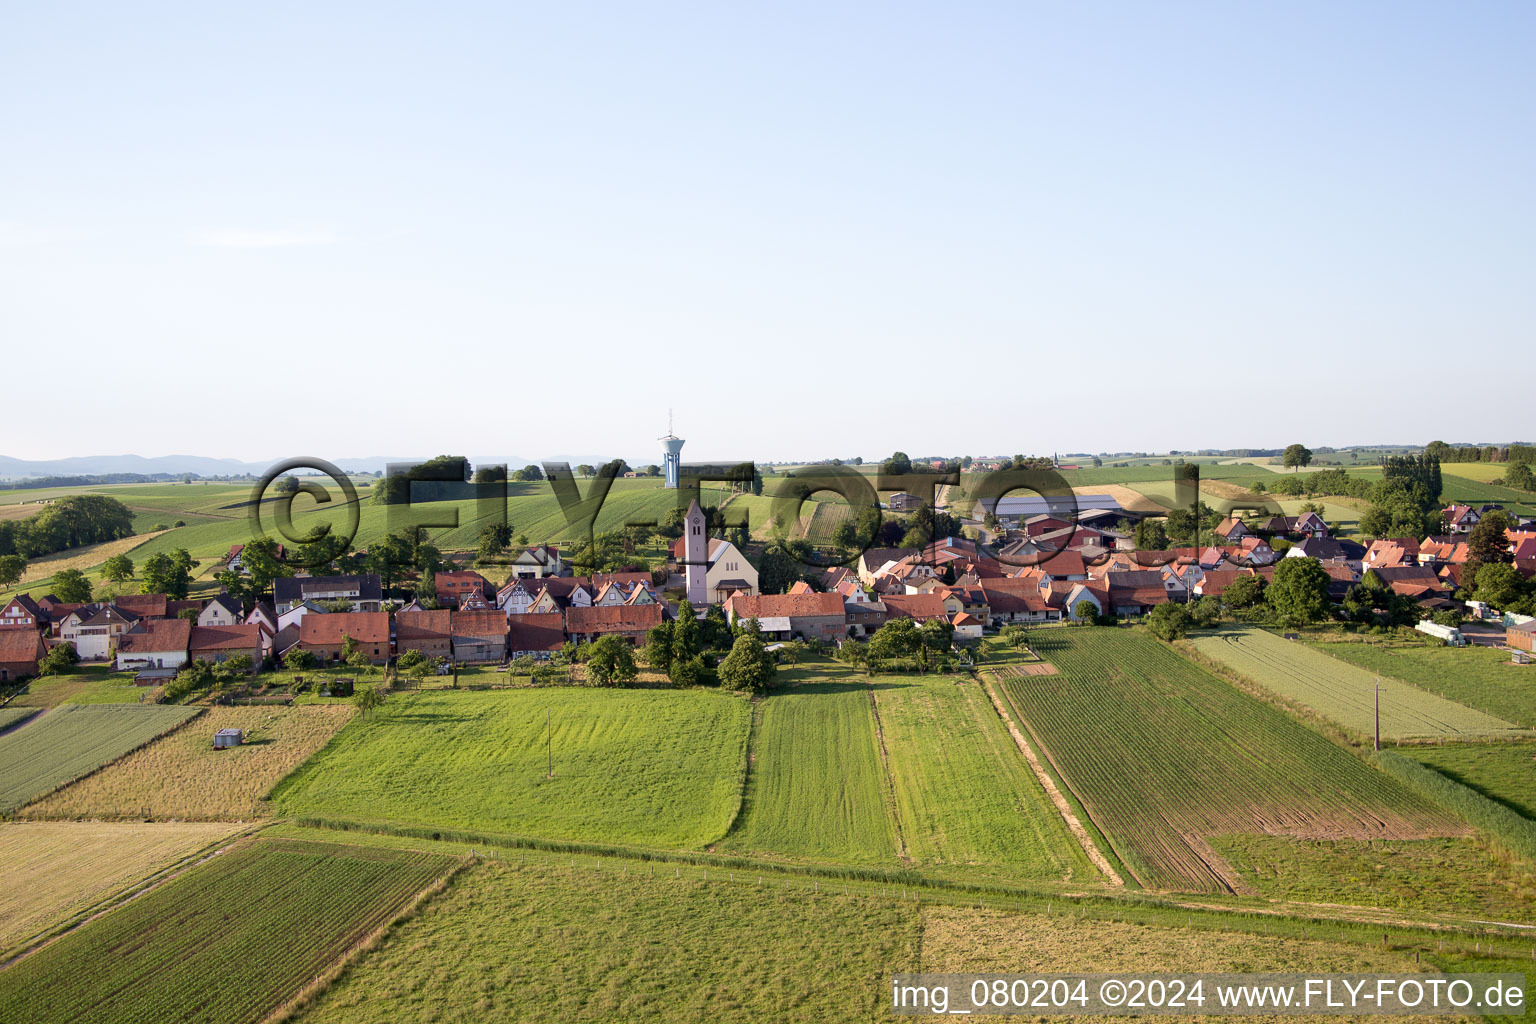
(783, 616)
(21, 612)
(430, 632)
(1520, 636)
(454, 587)
(538, 635)
(479, 636)
(630, 621)
(154, 643)
(20, 650)
(325, 635)
(1012, 509)
(217, 644)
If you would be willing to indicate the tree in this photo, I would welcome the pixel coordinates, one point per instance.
(657, 649)
(118, 568)
(899, 463)
(1206, 612)
(490, 474)
(896, 639)
(749, 667)
(288, 485)
(1296, 456)
(167, 574)
(12, 569)
(71, 586)
(59, 660)
(1151, 536)
(1488, 541)
(367, 699)
(1086, 611)
(259, 560)
(1169, 621)
(529, 473)
(1519, 476)
(1498, 584)
(299, 660)
(611, 661)
(686, 639)
(1299, 592)
(494, 538)
(1244, 592)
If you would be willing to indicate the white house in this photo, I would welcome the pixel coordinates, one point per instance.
(154, 644)
(295, 615)
(223, 610)
(537, 562)
(94, 630)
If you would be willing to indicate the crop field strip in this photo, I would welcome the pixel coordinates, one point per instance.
(13, 715)
(964, 794)
(1163, 754)
(55, 870)
(181, 776)
(228, 942)
(652, 767)
(1339, 690)
(1478, 677)
(67, 743)
(816, 788)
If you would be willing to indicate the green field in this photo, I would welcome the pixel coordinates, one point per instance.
(227, 943)
(1505, 772)
(650, 767)
(964, 795)
(816, 788)
(1341, 691)
(87, 684)
(1478, 677)
(551, 944)
(12, 714)
(1457, 876)
(1163, 755)
(68, 742)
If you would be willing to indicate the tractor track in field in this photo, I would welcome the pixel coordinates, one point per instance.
(1062, 806)
(890, 783)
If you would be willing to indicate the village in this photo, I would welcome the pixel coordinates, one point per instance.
(1042, 568)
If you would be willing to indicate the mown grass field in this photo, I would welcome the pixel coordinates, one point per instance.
(1343, 692)
(1478, 677)
(650, 767)
(56, 870)
(550, 944)
(66, 743)
(87, 684)
(1164, 755)
(965, 797)
(181, 775)
(1505, 772)
(817, 789)
(228, 942)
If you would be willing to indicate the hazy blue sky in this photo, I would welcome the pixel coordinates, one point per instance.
(811, 229)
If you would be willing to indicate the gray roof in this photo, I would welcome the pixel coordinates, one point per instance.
(292, 589)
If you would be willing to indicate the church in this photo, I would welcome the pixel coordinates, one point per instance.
(713, 568)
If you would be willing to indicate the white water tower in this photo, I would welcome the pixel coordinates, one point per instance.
(671, 461)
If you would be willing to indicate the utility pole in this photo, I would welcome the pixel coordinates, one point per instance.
(1378, 713)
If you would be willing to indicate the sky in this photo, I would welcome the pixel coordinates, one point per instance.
(810, 230)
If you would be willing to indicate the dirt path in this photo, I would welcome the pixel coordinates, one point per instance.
(83, 557)
(1049, 785)
(890, 783)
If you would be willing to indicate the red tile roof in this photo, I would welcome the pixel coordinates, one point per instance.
(544, 631)
(480, 623)
(423, 625)
(21, 646)
(620, 618)
(158, 635)
(335, 627)
(795, 606)
(227, 638)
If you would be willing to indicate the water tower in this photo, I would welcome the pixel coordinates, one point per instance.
(671, 462)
